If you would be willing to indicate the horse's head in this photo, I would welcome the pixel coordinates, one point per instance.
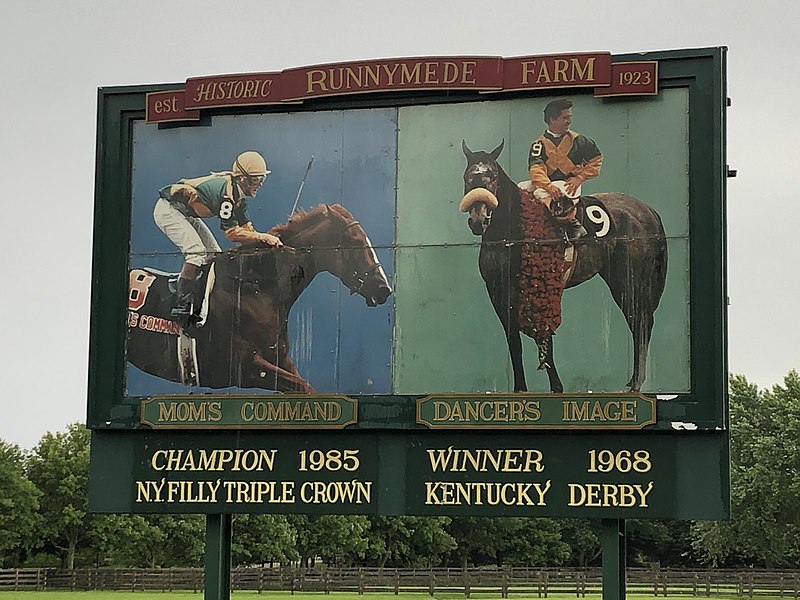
(346, 251)
(481, 182)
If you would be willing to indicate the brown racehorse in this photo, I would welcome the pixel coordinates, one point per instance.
(244, 341)
(632, 261)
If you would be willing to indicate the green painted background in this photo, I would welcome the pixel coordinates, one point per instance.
(447, 337)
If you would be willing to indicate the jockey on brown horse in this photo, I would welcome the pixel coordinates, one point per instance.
(181, 208)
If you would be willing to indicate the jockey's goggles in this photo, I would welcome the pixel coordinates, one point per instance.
(255, 178)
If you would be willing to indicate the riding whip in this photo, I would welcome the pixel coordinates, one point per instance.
(302, 183)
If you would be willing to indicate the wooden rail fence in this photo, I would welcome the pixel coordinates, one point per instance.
(504, 582)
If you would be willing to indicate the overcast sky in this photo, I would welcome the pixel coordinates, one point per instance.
(54, 54)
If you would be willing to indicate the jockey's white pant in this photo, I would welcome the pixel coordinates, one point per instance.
(190, 234)
(544, 196)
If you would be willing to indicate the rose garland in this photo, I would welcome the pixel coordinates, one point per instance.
(541, 273)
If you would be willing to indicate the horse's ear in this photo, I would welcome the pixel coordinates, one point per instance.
(467, 152)
(496, 152)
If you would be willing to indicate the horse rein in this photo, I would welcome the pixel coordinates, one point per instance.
(360, 279)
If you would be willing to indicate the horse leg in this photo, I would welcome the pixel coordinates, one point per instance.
(641, 326)
(637, 292)
(503, 307)
(547, 362)
(284, 379)
(514, 341)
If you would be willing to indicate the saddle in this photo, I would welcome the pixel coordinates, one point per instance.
(590, 211)
(594, 216)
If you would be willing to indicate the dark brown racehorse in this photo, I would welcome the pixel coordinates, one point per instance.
(632, 262)
(244, 341)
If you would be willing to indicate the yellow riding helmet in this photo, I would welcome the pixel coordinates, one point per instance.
(250, 163)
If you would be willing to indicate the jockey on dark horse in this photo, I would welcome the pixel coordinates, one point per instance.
(181, 207)
(560, 160)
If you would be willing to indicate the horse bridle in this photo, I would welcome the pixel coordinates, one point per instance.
(357, 279)
(489, 211)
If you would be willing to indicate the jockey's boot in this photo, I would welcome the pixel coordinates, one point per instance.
(184, 309)
(574, 229)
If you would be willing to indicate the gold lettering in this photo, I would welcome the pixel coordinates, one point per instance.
(609, 494)
(430, 73)
(583, 74)
(502, 461)
(373, 75)
(390, 74)
(533, 461)
(335, 85)
(560, 69)
(203, 93)
(292, 411)
(528, 68)
(430, 492)
(478, 493)
(511, 464)
(336, 492)
(473, 413)
(456, 412)
(467, 74)
(515, 408)
(450, 74)
(501, 411)
(353, 78)
(315, 78)
(484, 415)
(532, 412)
(441, 411)
(544, 74)
(628, 410)
(409, 76)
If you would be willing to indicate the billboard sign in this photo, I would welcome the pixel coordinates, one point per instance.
(414, 246)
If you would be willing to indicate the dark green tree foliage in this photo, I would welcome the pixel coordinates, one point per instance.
(583, 538)
(19, 502)
(330, 537)
(508, 541)
(262, 539)
(59, 467)
(667, 543)
(151, 541)
(765, 480)
(408, 541)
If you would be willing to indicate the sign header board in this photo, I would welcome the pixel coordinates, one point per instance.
(440, 74)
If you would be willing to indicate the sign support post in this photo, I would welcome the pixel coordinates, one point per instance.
(217, 566)
(612, 544)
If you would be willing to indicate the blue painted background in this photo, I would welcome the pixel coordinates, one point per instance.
(354, 153)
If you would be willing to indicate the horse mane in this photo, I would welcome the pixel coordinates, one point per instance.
(302, 218)
(306, 220)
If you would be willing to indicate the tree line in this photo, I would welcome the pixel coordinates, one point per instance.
(44, 518)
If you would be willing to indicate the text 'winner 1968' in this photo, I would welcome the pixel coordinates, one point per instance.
(536, 488)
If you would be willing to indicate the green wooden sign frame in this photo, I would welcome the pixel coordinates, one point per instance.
(392, 426)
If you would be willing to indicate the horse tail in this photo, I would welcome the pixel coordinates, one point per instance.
(661, 262)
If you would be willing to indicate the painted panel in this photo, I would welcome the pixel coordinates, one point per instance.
(338, 344)
(440, 288)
